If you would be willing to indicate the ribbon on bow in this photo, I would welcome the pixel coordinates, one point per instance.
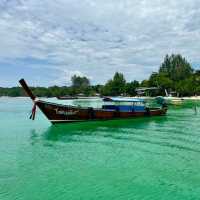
(33, 112)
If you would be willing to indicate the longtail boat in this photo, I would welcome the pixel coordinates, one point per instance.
(114, 108)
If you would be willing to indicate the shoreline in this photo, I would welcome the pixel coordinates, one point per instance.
(93, 97)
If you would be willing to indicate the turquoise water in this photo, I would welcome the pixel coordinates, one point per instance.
(149, 158)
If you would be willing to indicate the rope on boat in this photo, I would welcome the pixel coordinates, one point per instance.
(91, 112)
(33, 112)
(148, 113)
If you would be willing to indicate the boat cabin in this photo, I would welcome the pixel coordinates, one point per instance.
(124, 104)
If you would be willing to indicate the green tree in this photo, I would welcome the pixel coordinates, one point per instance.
(153, 80)
(145, 83)
(131, 87)
(116, 86)
(175, 73)
(80, 85)
(176, 67)
(164, 82)
(186, 87)
(80, 82)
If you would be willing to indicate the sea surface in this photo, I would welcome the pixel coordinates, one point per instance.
(147, 158)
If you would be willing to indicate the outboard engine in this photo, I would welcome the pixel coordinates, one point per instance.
(161, 101)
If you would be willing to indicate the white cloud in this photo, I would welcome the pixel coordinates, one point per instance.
(64, 77)
(96, 38)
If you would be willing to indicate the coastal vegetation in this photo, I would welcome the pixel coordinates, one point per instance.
(174, 75)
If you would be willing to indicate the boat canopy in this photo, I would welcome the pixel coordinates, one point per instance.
(123, 99)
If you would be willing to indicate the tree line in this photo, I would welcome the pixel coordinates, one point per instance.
(174, 75)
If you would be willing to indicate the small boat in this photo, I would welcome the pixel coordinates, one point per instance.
(174, 100)
(66, 97)
(74, 97)
(114, 108)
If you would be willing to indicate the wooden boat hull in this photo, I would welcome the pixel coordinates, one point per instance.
(57, 113)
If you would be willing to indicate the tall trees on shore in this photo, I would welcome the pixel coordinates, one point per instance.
(80, 82)
(175, 67)
(118, 86)
(175, 74)
(80, 85)
(131, 88)
(115, 86)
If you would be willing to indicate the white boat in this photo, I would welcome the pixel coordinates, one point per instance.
(170, 100)
(174, 100)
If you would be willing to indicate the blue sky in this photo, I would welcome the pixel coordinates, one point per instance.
(46, 42)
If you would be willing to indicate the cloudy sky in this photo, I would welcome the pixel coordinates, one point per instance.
(47, 41)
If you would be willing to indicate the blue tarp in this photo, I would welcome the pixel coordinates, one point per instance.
(123, 99)
(124, 108)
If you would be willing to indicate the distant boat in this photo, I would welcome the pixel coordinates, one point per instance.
(75, 97)
(66, 97)
(171, 100)
(114, 108)
(174, 100)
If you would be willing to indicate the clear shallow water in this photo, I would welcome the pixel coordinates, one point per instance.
(146, 158)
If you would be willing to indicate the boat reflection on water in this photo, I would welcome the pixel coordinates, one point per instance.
(113, 128)
(139, 135)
